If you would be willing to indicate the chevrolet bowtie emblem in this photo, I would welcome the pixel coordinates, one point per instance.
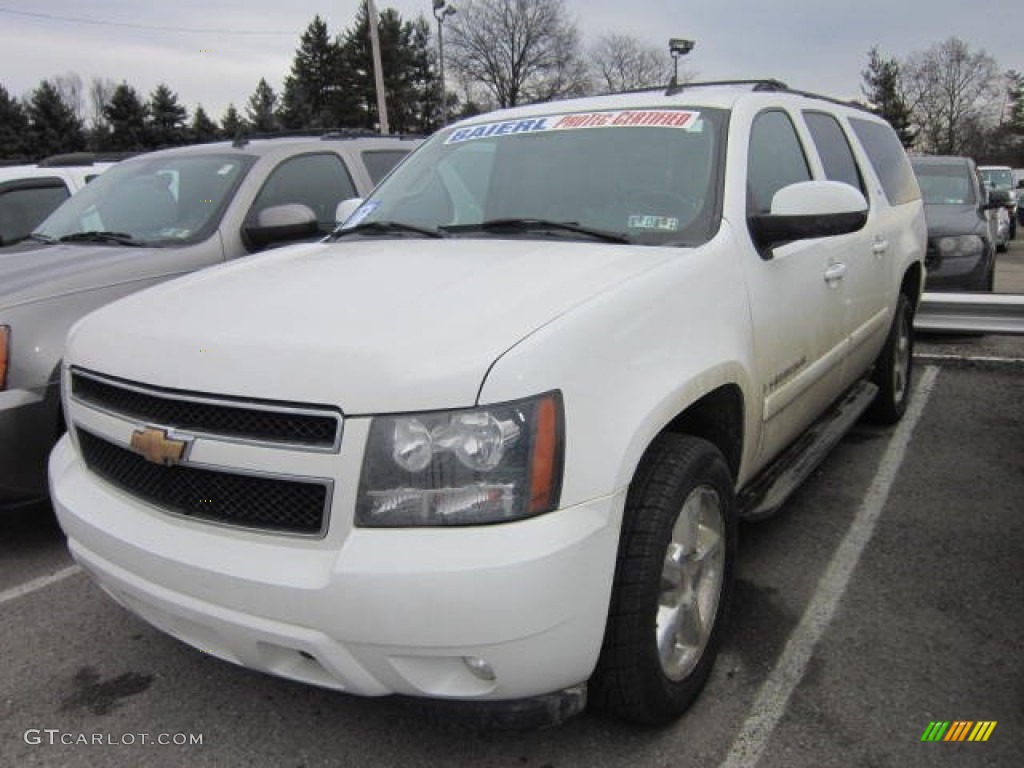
(157, 446)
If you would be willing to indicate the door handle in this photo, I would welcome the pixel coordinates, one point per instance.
(835, 273)
(879, 247)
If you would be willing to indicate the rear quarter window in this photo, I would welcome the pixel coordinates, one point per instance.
(889, 160)
(380, 162)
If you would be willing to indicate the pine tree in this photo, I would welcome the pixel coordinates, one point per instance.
(202, 127)
(261, 110)
(309, 90)
(128, 119)
(232, 125)
(882, 88)
(53, 126)
(167, 118)
(410, 82)
(14, 144)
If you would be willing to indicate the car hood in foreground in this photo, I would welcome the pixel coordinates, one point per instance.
(370, 326)
(36, 274)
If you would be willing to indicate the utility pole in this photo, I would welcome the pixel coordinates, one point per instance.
(378, 71)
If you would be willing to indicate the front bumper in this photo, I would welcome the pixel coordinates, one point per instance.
(382, 611)
(28, 429)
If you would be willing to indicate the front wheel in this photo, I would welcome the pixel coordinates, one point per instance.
(672, 583)
(894, 367)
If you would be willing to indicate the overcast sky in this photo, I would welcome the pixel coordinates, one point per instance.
(816, 45)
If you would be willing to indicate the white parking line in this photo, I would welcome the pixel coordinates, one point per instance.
(36, 584)
(773, 696)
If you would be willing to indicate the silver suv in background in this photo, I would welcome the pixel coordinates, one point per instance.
(149, 219)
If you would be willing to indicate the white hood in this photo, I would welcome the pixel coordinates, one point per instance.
(369, 326)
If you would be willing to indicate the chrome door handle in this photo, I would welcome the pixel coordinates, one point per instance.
(835, 273)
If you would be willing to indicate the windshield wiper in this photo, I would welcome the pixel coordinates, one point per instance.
(384, 228)
(96, 236)
(39, 237)
(539, 225)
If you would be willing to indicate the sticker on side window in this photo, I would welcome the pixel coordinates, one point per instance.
(657, 223)
(687, 120)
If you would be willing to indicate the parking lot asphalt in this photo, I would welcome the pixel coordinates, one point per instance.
(886, 595)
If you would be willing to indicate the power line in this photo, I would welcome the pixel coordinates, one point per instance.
(151, 27)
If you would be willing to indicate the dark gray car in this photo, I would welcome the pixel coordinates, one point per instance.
(961, 244)
(147, 220)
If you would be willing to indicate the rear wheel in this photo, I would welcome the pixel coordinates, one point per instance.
(894, 367)
(672, 583)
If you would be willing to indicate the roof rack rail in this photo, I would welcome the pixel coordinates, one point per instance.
(83, 158)
(766, 84)
(324, 134)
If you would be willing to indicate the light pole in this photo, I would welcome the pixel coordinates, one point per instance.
(678, 47)
(442, 10)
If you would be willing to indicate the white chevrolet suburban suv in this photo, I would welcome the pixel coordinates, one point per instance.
(491, 439)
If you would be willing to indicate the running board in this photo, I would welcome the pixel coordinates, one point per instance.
(773, 486)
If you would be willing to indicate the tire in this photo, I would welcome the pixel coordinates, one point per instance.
(672, 576)
(894, 368)
(1013, 227)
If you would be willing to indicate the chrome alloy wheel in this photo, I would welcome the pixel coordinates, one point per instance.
(691, 583)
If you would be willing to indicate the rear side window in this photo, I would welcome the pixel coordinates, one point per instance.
(380, 162)
(776, 159)
(24, 205)
(834, 149)
(888, 159)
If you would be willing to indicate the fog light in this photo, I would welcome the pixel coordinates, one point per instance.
(479, 668)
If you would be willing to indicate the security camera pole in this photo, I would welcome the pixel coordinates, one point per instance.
(677, 47)
(378, 72)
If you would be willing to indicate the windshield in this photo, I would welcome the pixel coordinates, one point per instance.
(159, 200)
(945, 184)
(998, 178)
(639, 176)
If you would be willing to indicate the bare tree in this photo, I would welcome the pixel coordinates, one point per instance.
(519, 50)
(101, 89)
(953, 94)
(625, 63)
(72, 92)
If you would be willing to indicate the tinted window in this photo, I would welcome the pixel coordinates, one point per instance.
(22, 209)
(379, 163)
(834, 149)
(888, 159)
(319, 181)
(775, 160)
(947, 184)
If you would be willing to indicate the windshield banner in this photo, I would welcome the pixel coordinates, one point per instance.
(632, 118)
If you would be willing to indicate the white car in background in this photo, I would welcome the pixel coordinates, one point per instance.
(29, 193)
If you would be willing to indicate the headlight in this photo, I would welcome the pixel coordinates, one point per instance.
(484, 465)
(962, 245)
(5, 352)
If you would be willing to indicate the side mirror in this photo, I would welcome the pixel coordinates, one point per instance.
(345, 209)
(281, 223)
(806, 210)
